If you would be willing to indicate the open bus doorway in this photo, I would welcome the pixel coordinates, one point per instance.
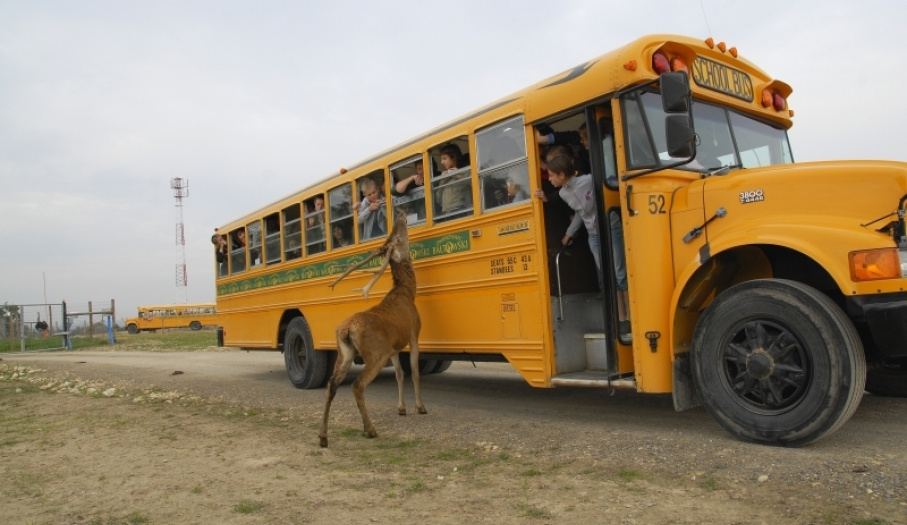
(579, 303)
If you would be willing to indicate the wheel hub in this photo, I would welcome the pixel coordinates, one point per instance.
(760, 364)
(765, 365)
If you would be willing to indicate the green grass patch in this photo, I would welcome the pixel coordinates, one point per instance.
(134, 518)
(629, 475)
(710, 483)
(164, 341)
(248, 507)
(531, 511)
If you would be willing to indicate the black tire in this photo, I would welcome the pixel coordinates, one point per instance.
(777, 362)
(426, 366)
(442, 366)
(195, 326)
(888, 379)
(132, 328)
(305, 367)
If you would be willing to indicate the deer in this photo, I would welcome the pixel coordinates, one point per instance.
(380, 332)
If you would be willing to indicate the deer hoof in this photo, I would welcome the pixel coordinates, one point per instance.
(324, 442)
(401, 411)
(422, 410)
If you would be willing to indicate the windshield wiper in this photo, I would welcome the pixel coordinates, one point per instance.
(720, 170)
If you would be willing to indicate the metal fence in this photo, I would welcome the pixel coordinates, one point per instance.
(32, 327)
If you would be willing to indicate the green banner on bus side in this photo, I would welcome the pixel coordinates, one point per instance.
(434, 247)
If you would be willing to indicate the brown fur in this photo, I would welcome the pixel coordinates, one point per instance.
(381, 332)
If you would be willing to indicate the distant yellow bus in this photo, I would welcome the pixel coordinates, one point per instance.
(760, 288)
(194, 316)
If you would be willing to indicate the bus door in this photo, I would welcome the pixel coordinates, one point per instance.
(578, 302)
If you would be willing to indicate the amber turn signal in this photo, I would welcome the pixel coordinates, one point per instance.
(871, 265)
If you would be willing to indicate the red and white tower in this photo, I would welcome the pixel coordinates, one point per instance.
(180, 189)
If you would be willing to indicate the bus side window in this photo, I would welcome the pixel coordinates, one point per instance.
(292, 233)
(340, 200)
(272, 239)
(452, 188)
(408, 190)
(314, 225)
(503, 165)
(253, 231)
(238, 250)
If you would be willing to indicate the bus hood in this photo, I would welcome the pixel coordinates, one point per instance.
(862, 194)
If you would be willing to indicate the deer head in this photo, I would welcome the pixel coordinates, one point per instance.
(395, 248)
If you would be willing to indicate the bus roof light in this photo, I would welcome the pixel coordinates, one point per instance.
(722, 46)
(778, 102)
(733, 52)
(660, 62)
(679, 64)
(766, 97)
(630, 66)
(710, 42)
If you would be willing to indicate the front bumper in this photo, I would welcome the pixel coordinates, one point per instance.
(886, 318)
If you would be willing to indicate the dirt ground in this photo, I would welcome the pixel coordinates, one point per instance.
(122, 438)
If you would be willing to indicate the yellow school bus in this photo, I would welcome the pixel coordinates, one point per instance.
(194, 316)
(769, 291)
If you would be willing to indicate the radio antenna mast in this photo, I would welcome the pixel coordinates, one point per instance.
(180, 189)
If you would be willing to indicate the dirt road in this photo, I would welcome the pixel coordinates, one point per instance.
(491, 448)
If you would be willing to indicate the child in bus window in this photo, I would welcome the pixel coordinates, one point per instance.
(511, 192)
(372, 217)
(453, 196)
(317, 206)
(340, 238)
(415, 180)
(220, 247)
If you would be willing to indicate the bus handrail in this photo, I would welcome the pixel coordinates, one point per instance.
(557, 271)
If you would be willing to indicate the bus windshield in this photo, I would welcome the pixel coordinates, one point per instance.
(724, 138)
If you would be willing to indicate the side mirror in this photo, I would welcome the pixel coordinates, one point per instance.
(681, 137)
(675, 92)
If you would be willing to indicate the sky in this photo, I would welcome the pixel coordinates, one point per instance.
(103, 102)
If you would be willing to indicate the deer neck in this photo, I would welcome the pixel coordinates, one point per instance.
(404, 275)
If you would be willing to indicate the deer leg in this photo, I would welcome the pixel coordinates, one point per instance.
(340, 370)
(398, 370)
(372, 367)
(414, 364)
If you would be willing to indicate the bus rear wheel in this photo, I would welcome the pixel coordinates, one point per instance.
(442, 366)
(426, 366)
(777, 362)
(306, 367)
(195, 325)
(132, 329)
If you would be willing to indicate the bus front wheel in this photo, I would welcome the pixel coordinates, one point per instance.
(305, 367)
(777, 362)
(132, 329)
(195, 325)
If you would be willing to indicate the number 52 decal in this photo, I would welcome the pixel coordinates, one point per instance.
(656, 204)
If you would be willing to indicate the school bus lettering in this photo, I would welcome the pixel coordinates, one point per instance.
(724, 79)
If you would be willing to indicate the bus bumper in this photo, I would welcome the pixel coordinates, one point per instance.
(886, 319)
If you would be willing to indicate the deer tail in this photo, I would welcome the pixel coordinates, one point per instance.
(345, 340)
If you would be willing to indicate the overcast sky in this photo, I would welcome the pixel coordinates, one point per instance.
(103, 102)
